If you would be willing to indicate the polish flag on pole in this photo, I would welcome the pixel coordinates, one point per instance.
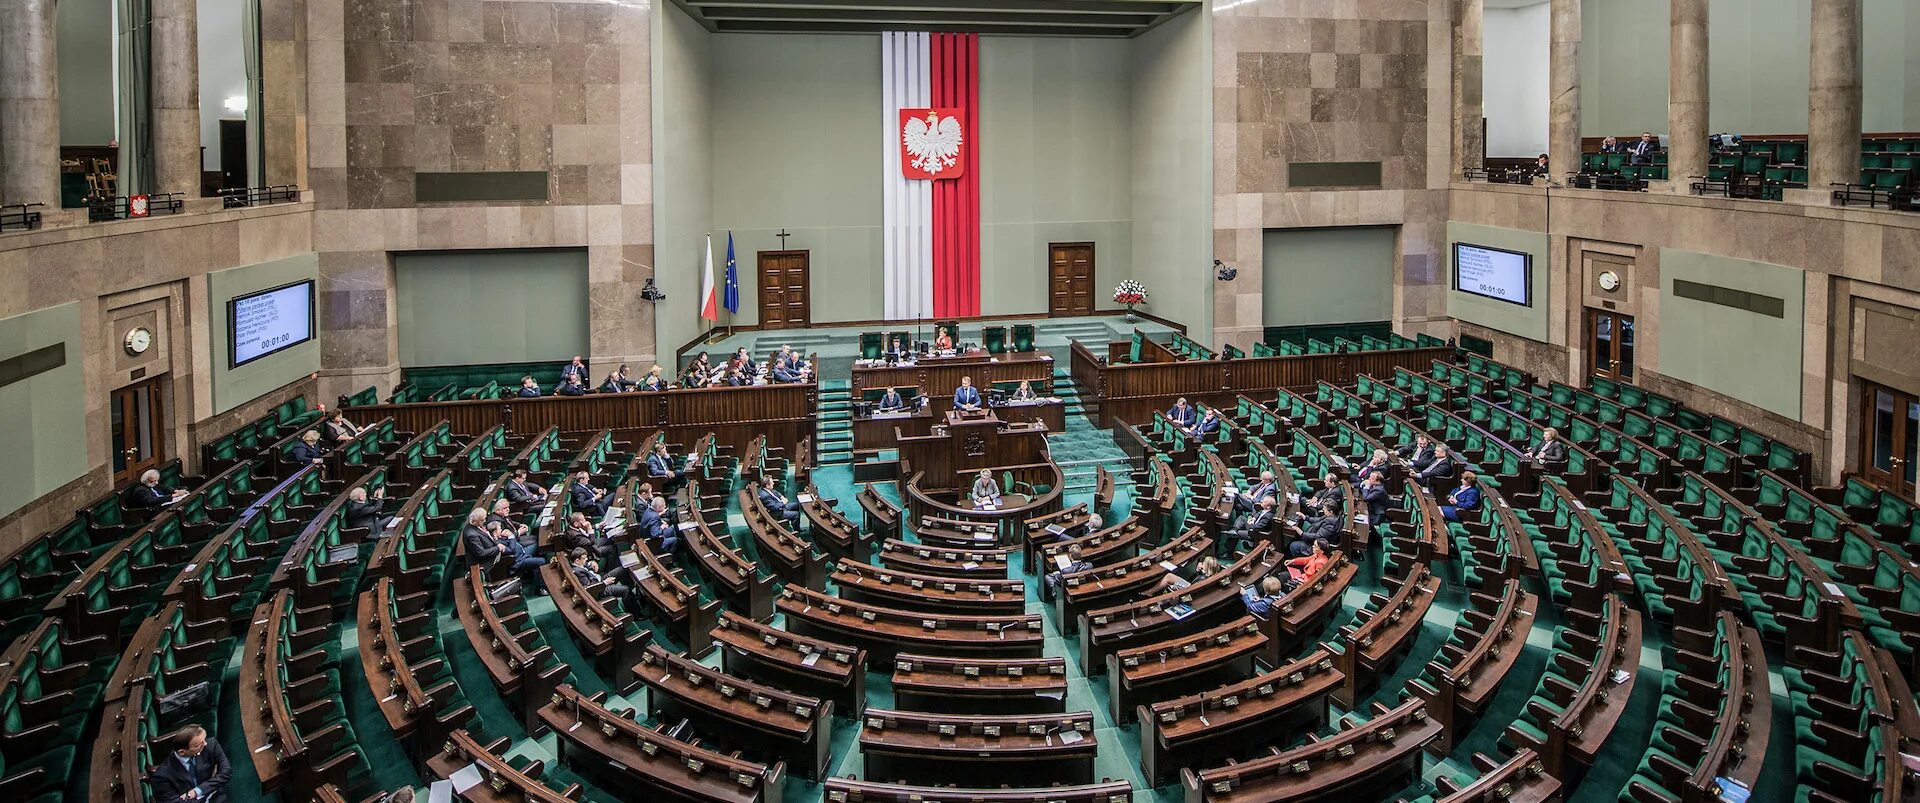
(709, 298)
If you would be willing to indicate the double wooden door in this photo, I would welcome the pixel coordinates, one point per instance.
(1892, 444)
(137, 419)
(1610, 345)
(1070, 289)
(784, 302)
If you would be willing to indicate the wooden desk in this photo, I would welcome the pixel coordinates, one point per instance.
(1140, 675)
(955, 748)
(1235, 721)
(833, 532)
(624, 754)
(940, 375)
(883, 430)
(883, 632)
(960, 446)
(977, 685)
(795, 727)
(861, 582)
(1359, 762)
(962, 563)
(823, 669)
(847, 790)
(501, 782)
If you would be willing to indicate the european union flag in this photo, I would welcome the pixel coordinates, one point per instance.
(731, 298)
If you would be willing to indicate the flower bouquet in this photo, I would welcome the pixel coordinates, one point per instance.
(1130, 292)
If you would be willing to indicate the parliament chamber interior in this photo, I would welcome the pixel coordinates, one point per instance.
(1200, 401)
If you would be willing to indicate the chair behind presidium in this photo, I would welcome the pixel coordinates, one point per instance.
(994, 339)
(870, 346)
(1022, 337)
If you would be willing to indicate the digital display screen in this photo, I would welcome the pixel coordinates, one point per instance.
(270, 321)
(1493, 272)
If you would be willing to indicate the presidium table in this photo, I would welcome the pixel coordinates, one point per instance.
(936, 377)
(938, 468)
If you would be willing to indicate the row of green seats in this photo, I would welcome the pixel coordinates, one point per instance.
(1579, 552)
(1895, 517)
(1256, 417)
(424, 450)
(47, 697)
(1474, 383)
(481, 456)
(257, 434)
(1491, 541)
(427, 523)
(1375, 391)
(404, 631)
(318, 576)
(232, 572)
(1305, 413)
(1184, 348)
(1679, 580)
(1421, 387)
(1714, 710)
(303, 639)
(1844, 714)
(367, 396)
(1514, 432)
(1584, 654)
(1264, 350)
(108, 516)
(1338, 401)
(370, 446)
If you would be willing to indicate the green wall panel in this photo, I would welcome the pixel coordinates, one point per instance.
(45, 439)
(84, 50)
(1624, 48)
(1329, 275)
(1530, 321)
(473, 307)
(1173, 171)
(233, 387)
(682, 173)
(1739, 353)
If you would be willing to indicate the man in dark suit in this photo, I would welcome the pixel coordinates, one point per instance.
(1075, 563)
(1373, 491)
(777, 504)
(150, 494)
(503, 516)
(522, 492)
(1642, 152)
(586, 498)
(363, 512)
(1208, 424)
(194, 769)
(1550, 450)
(482, 548)
(580, 534)
(966, 397)
(1182, 414)
(891, 402)
(1418, 454)
(660, 466)
(1437, 473)
(1246, 502)
(576, 370)
(572, 386)
(657, 528)
(529, 389)
(1330, 498)
(1234, 540)
(1315, 528)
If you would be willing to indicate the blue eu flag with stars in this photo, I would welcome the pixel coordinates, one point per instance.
(731, 299)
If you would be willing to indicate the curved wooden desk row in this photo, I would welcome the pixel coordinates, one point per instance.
(1520, 779)
(1474, 661)
(962, 563)
(861, 582)
(884, 632)
(882, 518)
(1100, 547)
(961, 685)
(1007, 521)
(1024, 749)
(770, 721)
(501, 780)
(1361, 760)
(848, 790)
(809, 666)
(1211, 600)
(833, 532)
(1165, 566)
(287, 709)
(608, 636)
(620, 752)
(734, 578)
(400, 654)
(790, 557)
(1606, 642)
(509, 644)
(1385, 628)
(1182, 665)
(1232, 721)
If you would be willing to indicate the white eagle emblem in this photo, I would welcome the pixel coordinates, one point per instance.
(934, 143)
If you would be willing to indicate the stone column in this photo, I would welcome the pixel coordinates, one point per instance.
(175, 81)
(1833, 96)
(29, 104)
(1469, 137)
(1563, 84)
(1687, 94)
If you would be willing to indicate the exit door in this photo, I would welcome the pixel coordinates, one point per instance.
(138, 421)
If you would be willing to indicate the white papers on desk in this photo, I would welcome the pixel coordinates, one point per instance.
(1071, 737)
(440, 792)
(1293, 499)
(1062, 561)
(466, 777)
(1169, 566)
(629, 559)
(687, 525)
(805, 499)
(986, 506)
(811, 659)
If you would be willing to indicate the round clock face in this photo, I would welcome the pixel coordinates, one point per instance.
(139, 340)
(1609, 281)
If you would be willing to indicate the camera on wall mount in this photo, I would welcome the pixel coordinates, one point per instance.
(651, 292)
(1225, 272)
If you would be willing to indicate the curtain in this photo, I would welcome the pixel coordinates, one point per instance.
(136, 136)
(256, 143)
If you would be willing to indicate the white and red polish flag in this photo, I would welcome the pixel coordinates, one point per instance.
(709, 298)
(931, 185)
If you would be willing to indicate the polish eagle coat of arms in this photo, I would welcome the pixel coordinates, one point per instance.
(932, 144)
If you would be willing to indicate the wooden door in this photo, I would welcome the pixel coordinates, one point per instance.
(783, 290)
(233, 154)
(1071, 289)
(138, 423)
(1610, 345)
(1892, 445)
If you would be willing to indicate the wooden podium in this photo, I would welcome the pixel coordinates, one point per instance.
(965, 443)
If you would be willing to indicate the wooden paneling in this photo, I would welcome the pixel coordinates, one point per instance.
(940, 375)
(1132, 392)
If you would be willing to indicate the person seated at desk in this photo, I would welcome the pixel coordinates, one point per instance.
(1464, 498)
(572, 386)
(698, 373)
(891, 402)
(587, 571)
(788, 367)
(1610, 144)
(196, 769)
(737, 378)
(150, 494)
(941, 340)
(1208, 424)
(1310, 565)
(1373, 493)
(612, 385)
(898, 350)
(576, 369)
(364, 512)
(986, 492)
(658, 528)
(744, 361)
(1329, 500)
(777, 503)
(307, 449)
(1246, 502)
(1024, 393)
(580, 534)
(966, 397)
(502, 515)
(1641, 153)
(1550, 450)
(654, 380)
(1182, 414)
(339, 429)
(524, 492)
(1074, 563)
(625, 377)
(1380, 463)
(1238, 539)
(1418, 454)
(486, 543)
(1436, 474)
(1262, 603)
(1314, 529)
(660, 466)
(586, 498)
(529, 389)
